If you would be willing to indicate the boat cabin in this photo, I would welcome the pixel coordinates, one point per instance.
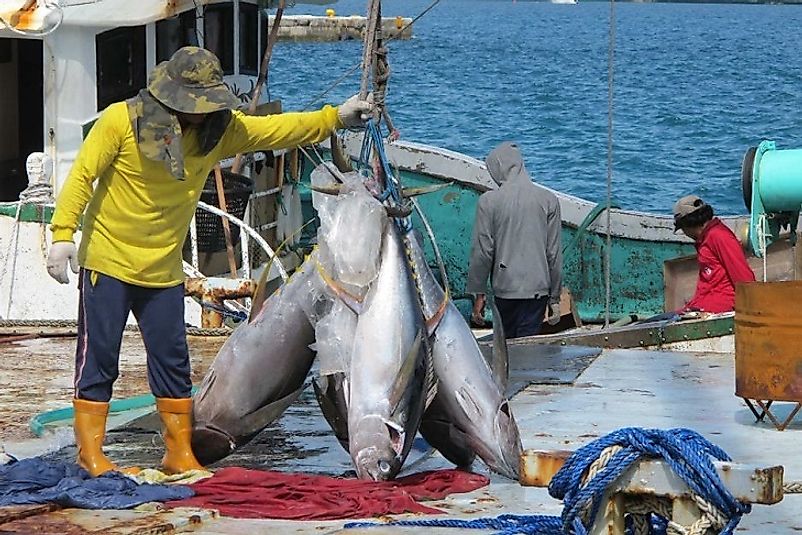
(53, 86)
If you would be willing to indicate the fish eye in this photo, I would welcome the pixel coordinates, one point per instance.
(384, 466)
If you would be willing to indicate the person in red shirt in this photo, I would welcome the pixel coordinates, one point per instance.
(722, 262)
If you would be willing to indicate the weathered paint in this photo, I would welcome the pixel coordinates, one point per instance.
(78, 521)
(768, 356)
(28, 213)
(109, 13)
(747, 483)
(657, 334)
(538, 467)
(216, 290)
(303, 28)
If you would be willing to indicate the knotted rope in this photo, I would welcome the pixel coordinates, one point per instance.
(595, 468)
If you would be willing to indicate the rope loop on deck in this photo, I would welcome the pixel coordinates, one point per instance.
(586, 476)
(592, 472)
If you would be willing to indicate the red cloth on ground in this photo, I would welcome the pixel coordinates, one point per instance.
(243, 493)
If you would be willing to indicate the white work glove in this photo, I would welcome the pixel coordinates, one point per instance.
(553, 313)
(62, 253)
(354, 113)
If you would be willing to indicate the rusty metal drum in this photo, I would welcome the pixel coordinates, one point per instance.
(768, 341)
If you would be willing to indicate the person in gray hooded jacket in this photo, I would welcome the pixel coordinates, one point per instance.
(516, 244)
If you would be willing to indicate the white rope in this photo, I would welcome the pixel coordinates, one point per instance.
(37, 193)
(710, 517)
(792, 487)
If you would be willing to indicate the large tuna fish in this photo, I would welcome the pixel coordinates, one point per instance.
(259, 371)
(390, 370)
(470, 394)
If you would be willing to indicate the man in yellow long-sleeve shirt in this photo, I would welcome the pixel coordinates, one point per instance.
(150, 156)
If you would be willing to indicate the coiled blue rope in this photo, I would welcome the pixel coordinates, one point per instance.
(688, 454)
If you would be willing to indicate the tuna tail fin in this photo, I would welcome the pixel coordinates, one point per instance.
(261, 294)
(499, 362)
(338, 154)
(333, 189)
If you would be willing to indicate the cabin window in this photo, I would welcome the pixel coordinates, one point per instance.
(174, 33)
(219, 34)
(248, 39)
(120, 64)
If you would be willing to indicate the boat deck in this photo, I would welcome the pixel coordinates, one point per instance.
(589, 397)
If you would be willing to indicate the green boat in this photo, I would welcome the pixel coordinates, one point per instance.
(652, 268)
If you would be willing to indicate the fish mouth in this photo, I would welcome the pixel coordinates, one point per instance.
(507, 459)
(501, 452)
(210, 444)
(371, 464)
(506, 467)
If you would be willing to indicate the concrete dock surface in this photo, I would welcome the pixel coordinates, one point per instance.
(620, 388)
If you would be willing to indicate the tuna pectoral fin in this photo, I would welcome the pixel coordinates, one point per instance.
(330, 393)
(338, 156)
(499, 362)
(252, 423)
(406, 371)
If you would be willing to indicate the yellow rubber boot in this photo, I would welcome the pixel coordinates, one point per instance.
(90, 428)
(176, 415)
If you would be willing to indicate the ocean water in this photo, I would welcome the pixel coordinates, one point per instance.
(694, 86)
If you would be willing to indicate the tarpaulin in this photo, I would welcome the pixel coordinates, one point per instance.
(35, 481)
(242, 493)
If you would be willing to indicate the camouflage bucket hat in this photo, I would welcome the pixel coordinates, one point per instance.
(191, 82)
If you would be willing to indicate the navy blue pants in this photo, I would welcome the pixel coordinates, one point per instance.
(521, 317)
(103, 310)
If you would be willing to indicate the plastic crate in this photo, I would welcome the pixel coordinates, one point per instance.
(238, 189)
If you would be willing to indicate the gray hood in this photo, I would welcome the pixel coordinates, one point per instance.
(504, 163)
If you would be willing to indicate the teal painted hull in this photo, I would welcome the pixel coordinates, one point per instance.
(636, 265)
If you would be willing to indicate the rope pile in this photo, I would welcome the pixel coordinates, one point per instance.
(593, 469)
(37, 193)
